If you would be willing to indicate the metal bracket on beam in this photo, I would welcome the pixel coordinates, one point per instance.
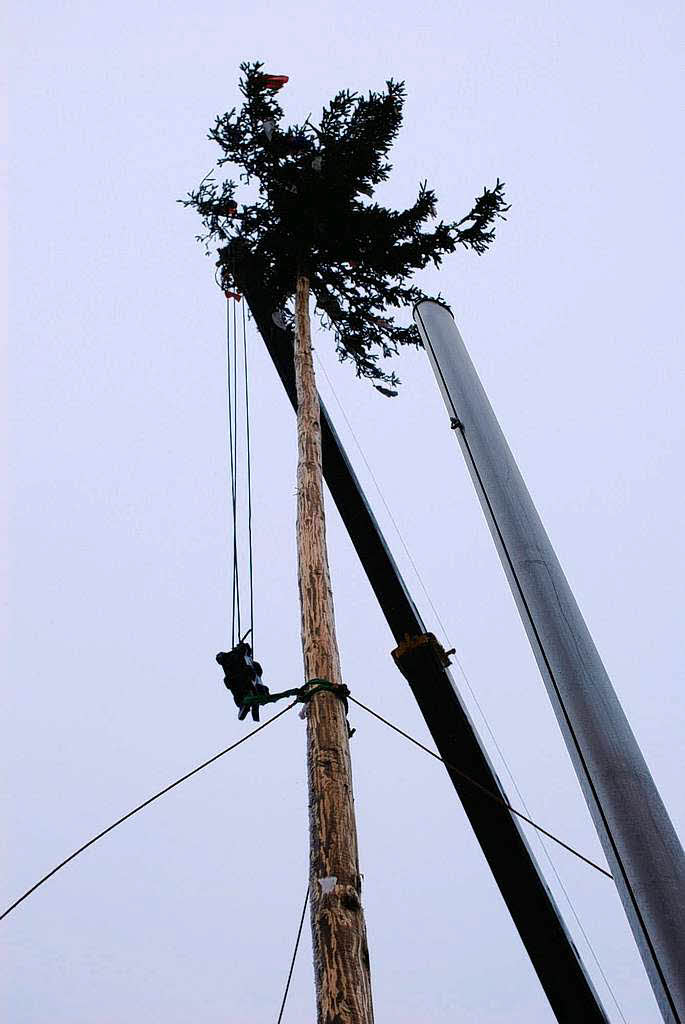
(422, 640)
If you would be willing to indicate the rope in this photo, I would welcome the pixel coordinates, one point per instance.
(249, 476)
(484, 789)
(306, 692)
(292, 962)
(381, 495)
(236, 427)
(235, 580)
(303, 693)
(457, 425)
(140, 807)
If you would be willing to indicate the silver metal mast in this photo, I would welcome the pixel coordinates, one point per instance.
(639, 841)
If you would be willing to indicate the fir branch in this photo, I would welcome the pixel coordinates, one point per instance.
(315, 214)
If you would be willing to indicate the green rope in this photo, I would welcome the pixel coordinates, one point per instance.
(302, 693)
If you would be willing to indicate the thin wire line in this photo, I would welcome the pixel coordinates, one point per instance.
(608, 834)
(236, 561)
(140, 807)
(483, 789)
(249, 478)
(385, 504)
(547, 854)
(470, 688)
(292, 962)
(230, 454)
(607, 831)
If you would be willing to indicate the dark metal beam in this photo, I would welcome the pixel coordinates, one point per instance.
(531, 905)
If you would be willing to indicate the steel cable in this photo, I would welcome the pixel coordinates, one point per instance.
(140, 807)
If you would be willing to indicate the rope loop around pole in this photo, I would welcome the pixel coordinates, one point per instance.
(303, 694)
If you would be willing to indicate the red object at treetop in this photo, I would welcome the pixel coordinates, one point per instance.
(231, 208)
(274, 82)
(233, 295)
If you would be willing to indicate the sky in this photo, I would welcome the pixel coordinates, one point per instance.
(117, 486)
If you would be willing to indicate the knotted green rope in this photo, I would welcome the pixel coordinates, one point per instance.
(303, 693)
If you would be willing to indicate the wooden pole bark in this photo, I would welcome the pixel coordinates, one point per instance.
(341, 957)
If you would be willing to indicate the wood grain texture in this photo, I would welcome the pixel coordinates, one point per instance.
(341, 958)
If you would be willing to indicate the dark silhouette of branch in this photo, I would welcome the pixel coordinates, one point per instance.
(312, 211)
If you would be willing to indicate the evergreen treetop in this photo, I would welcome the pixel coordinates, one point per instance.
(314, 214)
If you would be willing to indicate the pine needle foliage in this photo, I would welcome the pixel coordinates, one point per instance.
(313, 213)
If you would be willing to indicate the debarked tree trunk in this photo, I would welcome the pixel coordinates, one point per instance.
(341, 958)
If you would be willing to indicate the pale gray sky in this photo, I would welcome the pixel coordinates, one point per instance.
(119, 510)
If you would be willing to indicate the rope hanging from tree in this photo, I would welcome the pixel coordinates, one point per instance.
(242, 674)
(240, 468)
(303, 694)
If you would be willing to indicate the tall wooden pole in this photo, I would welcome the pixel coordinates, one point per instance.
(341, 956)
